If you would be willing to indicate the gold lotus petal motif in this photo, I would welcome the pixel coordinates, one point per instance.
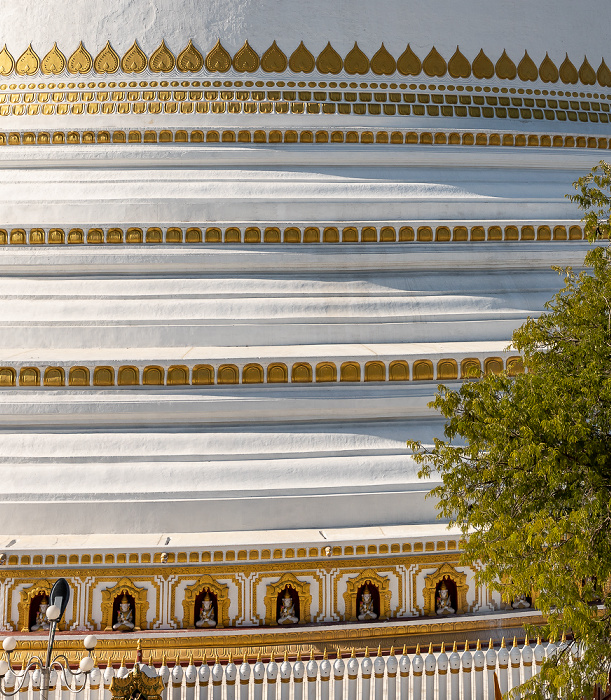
(28, 62)
(301, 60)
(190, 59)
(80, 61)
(274, 60)
(162, 59)
(459, 66)
(356, 61)
(54, 62)
(505, 67)
(408, 63)
(107, 61)
(434, 64)
(382, 62)
(218, 60)
(483, 66)
(7, 62)
(568, 72)
(329, 61)
(586, 73)
(246, 59)
(527, 70)
(603, 74)
(548, 71)
(134, 60)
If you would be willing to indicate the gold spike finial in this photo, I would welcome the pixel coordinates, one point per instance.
(454, 648)
(538, 640)
(286, 655)
(204, 659)
(123, 661)
(324, 654)
(230, 659)
(478, 646)
(311, 653)
(443, 647)
(298, 654)
(515, 641)
(353, 653)
(466, 645)
(417, 649)
(259, 656)
(271, 658)
(490, 644)
(139, 645)
(163, 663)
(379, 650)
(526, 640)
(244, 659)
(405, 650)
(563, 637)
(338, 653)
(216, 658)
(392, 650)
(503, 643)
(430, 647)
(191, 659)
(366, 652)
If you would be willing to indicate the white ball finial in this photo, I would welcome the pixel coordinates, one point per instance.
(53, 612)
(90, 641)
(9, 644)
(86, 664)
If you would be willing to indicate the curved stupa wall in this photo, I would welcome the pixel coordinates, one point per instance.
(233, 275)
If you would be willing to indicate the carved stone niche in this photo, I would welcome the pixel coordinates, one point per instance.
(455, 581)
(111, 597)
(29, 601)
(195, 594)
(379, 587)
(299, 591)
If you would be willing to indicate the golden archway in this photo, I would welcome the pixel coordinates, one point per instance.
(220, 590)
(445, 571)
(26, 597)
(382, 583)
(136, 685)
(141, 604)
(303, 592)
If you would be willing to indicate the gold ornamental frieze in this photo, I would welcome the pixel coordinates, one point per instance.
(300, 60)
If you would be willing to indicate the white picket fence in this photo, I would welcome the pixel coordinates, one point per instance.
(459, 675)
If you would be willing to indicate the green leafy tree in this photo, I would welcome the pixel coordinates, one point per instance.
(525, 465)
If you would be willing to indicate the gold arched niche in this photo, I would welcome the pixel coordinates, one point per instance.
(141, 603)
(445, 571)
(220, 590)
(25, 601)
(382, 583)
(271, 597)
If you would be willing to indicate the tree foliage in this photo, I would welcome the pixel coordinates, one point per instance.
(525, 465)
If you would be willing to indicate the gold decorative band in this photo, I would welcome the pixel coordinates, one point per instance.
(344, 136)
(301, 60)
(112, 235)
(254, 373)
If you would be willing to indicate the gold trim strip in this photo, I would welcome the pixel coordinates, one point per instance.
(464, 138)
(301, 60)
(216, 373)
(257, 233)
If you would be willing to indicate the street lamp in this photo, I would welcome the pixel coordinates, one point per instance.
(58, 600)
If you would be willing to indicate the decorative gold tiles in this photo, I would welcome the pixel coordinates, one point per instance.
(303, 372)
(294, 234)
(301, 60)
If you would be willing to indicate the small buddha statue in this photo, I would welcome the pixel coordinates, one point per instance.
(42, 622)
(125, 616)
(206, 613)
(444, 603)
(520, 601)
(366, 611)
(287, 610)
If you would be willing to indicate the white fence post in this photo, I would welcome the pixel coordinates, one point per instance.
(515, 659)
(467, 666)
(272, 677)
(503, 660)
(404, 666)
(217, 680)
(391, 675)
(366, 668)
(479, 662)
(338, 677)
(325, 675)
(258, 675)
(527, 660)
(353, 675)
(285, 678)
(203, 676)
(298, 674)
(312, 672)
(379, 666)
(490, 669)
(442, 673)
(231, 674)
(244, 678)
(454, 662)
(430, 666)
(417, 669)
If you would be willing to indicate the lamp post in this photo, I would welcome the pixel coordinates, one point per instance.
(58, 600)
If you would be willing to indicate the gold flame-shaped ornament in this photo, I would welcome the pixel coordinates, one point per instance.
(107, 61)
(274, 60)
(382, 63)
(434, 64)
(586, 73)
(483, 66)
(246, 59)
(54, 62)
(408, 63)
(134, 60)
(329, 61)
(603, 74)
(301, 60)
(7, 62)
(527, 70)
(190, 59)
(548, 71)
(505, 68)
(80, 61)
(356, 61)
(568, 72)
(458, 65)
(218, 60)
(28, 63)
(162, 59)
